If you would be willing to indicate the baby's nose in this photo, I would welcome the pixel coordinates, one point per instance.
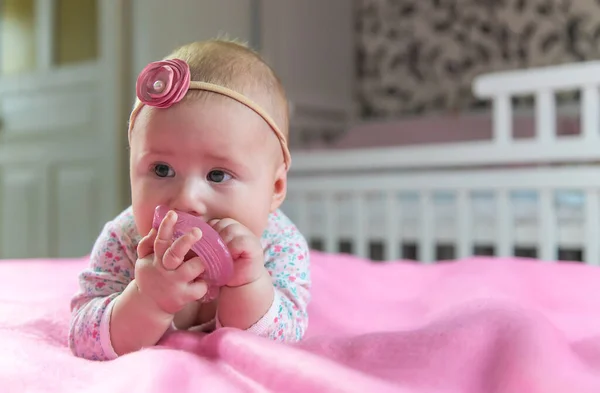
(190, 199)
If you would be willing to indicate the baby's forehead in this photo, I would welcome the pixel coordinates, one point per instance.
(214, 107)
(215, 122)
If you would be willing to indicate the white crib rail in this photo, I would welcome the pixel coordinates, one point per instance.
(364, 208)
(500, 88)
(543, 83)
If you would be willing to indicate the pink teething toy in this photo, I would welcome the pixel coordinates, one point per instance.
(210, 248)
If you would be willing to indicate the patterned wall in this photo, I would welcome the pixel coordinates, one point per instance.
(417, 56)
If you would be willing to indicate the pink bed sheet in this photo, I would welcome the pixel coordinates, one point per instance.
(477, 325)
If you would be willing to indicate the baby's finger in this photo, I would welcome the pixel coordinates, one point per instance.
(164, 237)
(180, 247)
(232, 231)
(219, 225)
(245, 246)
(146, 245)
(197, 289)
(190, 270)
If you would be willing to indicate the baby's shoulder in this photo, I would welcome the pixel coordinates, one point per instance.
(122, 229)
(118, 239)
(281, 228)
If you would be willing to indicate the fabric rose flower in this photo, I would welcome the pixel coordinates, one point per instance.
(163, 83)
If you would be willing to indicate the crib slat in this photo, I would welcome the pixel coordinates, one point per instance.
(393, 236)
(504, 242)
(592, 227)
(331, 235)
(590, 119)
(547, 226)
(426, 252)
(502, 119)
(465, 237)
(545, 116)
(358, 200)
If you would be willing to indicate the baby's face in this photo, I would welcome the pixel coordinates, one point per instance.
(213, 158)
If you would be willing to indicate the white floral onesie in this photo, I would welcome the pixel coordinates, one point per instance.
(111, 269)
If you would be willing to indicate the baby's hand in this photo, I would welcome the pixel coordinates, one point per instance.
(245, 249)
(160, 272)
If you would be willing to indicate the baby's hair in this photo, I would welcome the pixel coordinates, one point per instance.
(231, 63)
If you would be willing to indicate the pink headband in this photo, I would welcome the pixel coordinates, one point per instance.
(164, 83)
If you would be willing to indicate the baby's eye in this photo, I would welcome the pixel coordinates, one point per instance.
(218, 176)
(163, 170)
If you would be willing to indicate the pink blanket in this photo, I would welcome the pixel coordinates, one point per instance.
(476, 325)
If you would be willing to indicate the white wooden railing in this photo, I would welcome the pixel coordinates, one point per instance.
(369, 208)
(542, 83)
(331, 193)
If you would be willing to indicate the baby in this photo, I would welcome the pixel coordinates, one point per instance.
(208, 136)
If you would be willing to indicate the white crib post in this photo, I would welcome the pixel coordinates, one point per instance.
(465, 239)
(592, 227)
(393, 236)
(426, 244)
(502, 119)
(504, 220)
(360, 240)
(331, 236)
(545, 116)
(547, 244)
(590, 112)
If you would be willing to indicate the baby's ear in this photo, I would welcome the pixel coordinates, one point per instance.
(279, 187)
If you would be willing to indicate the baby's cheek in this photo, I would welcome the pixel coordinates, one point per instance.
(258, 224)
(143, 217)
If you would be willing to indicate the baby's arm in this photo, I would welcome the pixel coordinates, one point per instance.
(109, 317)
(136, 321)
(109, 272)
(288, 289)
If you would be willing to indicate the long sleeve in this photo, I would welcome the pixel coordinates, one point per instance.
(287, 260)
(110, 270)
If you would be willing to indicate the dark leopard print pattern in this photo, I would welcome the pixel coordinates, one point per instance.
(417, 56)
